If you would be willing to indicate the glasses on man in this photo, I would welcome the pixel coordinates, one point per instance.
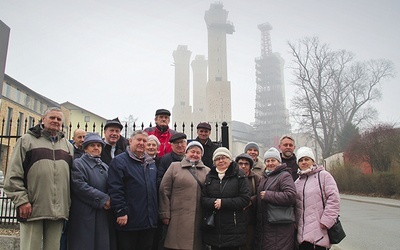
(244, 164)
(222, 157)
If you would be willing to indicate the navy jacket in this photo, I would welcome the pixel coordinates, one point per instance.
(133, 190)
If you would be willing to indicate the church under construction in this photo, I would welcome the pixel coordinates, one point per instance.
(271, 115)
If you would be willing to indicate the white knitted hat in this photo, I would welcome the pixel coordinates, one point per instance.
(304, 151)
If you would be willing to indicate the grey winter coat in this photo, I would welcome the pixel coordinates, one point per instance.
(89, 225)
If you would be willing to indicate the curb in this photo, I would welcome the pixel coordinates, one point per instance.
(9, 242)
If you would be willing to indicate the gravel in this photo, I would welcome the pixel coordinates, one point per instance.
(11, 231)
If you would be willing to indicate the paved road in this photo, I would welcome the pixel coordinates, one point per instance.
(370, 223)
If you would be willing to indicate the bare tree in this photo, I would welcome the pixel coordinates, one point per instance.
(333, 89)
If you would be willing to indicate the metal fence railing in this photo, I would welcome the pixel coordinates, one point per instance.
(8, 215)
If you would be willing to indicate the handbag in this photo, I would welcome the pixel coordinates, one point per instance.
(280, 214)
(209, 221)
(336, 233)
(277, 214)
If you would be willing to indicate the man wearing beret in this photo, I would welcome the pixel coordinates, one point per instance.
(203, 136)
(115, 144)
(162, 131)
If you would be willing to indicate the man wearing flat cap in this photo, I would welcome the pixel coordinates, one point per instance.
(162, 131)
(115, 144)
(178, 144)
(203, 136)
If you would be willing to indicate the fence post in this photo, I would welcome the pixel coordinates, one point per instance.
(225, 135)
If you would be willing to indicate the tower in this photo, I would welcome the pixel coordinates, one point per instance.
(271, 115)
(199, 69)
(182, 111)
(218, 88)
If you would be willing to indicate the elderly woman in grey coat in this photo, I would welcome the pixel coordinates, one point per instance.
(179, 205)
(89, 224)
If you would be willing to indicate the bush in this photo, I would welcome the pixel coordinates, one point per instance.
(351, 180)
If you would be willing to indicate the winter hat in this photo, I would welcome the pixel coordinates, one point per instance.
(222, 151)
(303, 152)
(272, 153)
(251, 145)
(90, 138)
(246, 157)
(154, 138)
(195, 144)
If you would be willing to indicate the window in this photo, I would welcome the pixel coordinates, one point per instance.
(9, 117)
(87, 118)
(20, 124)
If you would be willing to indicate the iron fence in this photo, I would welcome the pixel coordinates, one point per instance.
(10, 132)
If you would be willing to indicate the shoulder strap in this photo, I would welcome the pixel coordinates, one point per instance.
(320, 188)
(195, 177)
(273, 181)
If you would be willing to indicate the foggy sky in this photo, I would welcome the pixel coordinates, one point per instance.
(114, 58)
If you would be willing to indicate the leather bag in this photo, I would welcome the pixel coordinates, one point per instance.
(209, 221)
(277, 214)
(280, 214)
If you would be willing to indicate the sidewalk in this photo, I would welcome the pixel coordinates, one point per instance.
(371, 200)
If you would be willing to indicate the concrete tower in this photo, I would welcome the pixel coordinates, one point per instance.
(271, 115)
(218, 87)
(182, 111)
(199, 68)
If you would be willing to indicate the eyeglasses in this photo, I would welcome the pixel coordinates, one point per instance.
(244, 163)
(220, 158)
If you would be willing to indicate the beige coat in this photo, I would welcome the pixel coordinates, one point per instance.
(180, 202)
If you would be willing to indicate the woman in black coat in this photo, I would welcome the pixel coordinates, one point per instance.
(226, 193)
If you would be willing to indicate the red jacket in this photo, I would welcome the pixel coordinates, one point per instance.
(163, 137)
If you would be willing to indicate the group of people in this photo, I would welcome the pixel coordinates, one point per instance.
(155, 190)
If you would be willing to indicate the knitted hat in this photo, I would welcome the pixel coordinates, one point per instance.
(272, 153)
(246, 157)
(204, 125)
(177, 136)
(113, 123)
(163, 112)
(303, 152)
(251, 145)
(195, 144)
(154, 138)
(222, 151)
(90, 138)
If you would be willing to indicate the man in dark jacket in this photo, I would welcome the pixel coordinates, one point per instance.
(287, 147)
(133, 193)
(203, 136)
(115, 144)
(78, 138)
(178, 144)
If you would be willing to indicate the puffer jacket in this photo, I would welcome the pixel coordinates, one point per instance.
(281, 191)
(230, 220)
(310, 212)
(39, 173)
